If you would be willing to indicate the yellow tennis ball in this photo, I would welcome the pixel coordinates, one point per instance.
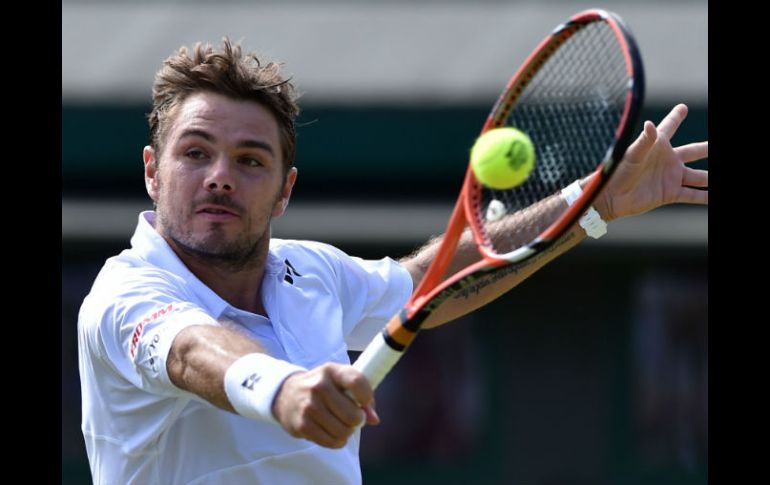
(502, 158)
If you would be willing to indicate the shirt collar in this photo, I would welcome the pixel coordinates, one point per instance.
(151, 247)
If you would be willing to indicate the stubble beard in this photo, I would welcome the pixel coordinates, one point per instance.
(242, 253)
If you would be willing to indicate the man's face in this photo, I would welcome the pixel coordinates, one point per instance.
(219, 179)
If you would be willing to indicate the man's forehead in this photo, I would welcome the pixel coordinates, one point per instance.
(212, 105)
(224, 114)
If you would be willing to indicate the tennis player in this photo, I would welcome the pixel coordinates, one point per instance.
(210, 352)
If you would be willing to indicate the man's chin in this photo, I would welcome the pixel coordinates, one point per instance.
(210, 246)
(216, 246)
(218, 250)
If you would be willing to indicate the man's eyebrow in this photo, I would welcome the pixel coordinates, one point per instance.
(256, 144)
(199, 133)
(192, 132)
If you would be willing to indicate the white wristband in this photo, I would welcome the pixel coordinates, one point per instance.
(591, 221)
(252, 381)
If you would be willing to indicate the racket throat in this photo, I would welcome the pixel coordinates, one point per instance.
(445, 253)
(401, 330)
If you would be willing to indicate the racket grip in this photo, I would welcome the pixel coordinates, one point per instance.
(376, 360)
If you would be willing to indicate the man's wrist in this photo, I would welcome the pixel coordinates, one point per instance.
(600, 202)
(252, 382)
(591, 221)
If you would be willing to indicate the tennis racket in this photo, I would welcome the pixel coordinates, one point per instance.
(578, 96)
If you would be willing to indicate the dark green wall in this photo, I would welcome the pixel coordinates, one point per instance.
(366, 151)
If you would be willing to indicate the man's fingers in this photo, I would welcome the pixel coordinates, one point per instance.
(371, 415)
(344, 407)
(643, 144)
(356, 392)
(695, 178)
(329, 420)
(314, 431)
(693, 196)
(354, 383)
(693, 152)
(671, 122)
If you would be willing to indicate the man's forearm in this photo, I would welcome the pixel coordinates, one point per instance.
(508, 234)
(490, 287)
(200, 356)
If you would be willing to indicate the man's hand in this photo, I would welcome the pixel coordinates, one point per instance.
(317, 405)
(653, 173)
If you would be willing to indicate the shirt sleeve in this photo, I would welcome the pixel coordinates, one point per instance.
(133, 322)
(371, 292)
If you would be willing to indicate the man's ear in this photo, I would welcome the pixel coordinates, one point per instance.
(151, 173)
(283, 200)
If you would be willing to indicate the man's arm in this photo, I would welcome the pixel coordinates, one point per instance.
(201, 354)
(653, 173)
(308, 404)
(492, 286)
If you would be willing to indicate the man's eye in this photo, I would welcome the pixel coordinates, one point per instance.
(195, 154)
(251, 161)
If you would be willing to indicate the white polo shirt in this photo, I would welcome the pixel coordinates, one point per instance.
(140, 428)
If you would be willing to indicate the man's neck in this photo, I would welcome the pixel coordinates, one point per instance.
(240, 287)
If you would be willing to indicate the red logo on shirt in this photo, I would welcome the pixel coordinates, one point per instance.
(140, 326)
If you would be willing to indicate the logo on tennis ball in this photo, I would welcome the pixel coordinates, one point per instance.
(502, 158)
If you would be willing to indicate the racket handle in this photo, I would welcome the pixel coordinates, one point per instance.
(376, 360)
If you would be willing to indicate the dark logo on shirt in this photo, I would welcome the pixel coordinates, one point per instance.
(291, 273)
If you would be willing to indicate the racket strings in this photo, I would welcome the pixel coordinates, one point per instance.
(571, 110)
(519, 228)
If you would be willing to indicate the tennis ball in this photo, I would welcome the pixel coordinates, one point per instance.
(502, 158)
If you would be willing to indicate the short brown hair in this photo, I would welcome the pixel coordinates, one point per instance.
(228, 73)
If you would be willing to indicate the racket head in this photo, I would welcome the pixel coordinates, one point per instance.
(578, 96)
(558, 85)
